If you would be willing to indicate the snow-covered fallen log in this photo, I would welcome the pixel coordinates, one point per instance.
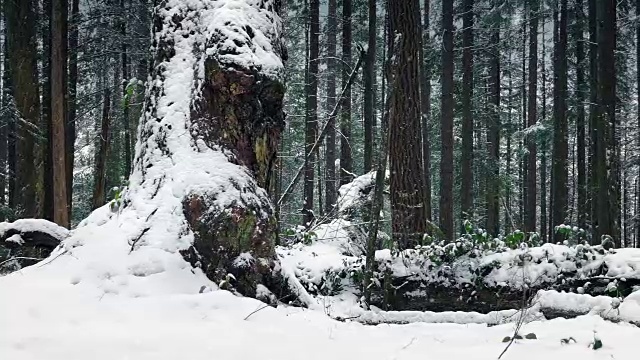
(450, 317)
(553, 304)
(26, 241)
(454, 278)
(32, 232)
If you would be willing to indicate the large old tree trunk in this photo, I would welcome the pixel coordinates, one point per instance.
(409, 221)
(208, 138)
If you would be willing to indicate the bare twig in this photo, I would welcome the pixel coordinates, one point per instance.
(57, 256)
(134, 242)
(523, 312)
(20, 258)
(265, 306)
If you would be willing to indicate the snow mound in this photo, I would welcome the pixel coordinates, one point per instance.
(610, 308)
(451, 317)
(342, 234)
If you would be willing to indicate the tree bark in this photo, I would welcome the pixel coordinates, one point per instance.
(606, 35)
(637, 188)
(4, 124)
(580, 116)
(560, 128)
(532, 155)
(70, 137)
(48, 209)
(543, 145)
(508, 215)
(330, 144)
(9, 104)
(446, 123)
(523, 91)
(346, 160)
(58, 114)
(99, 173)
(593, 116)
(605, 205)
(204, 190)
(311, 123)
(125, 77)
(425, 103)
(369, 89)
(406, 174)
(493, 137)
(21, 30)
(466, 195)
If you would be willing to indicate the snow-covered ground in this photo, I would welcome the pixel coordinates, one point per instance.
(47, 317)
(97, 301)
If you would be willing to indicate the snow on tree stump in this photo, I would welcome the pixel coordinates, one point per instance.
(208, 139)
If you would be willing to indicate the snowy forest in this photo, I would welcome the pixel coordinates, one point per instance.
(272, 168)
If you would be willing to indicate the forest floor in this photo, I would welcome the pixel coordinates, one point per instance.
(45, 316)
(97, 297)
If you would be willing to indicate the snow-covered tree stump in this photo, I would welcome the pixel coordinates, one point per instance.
(208, 138)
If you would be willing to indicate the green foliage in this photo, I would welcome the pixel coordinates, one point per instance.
(118, 194)
(572, 235)
(298, 234)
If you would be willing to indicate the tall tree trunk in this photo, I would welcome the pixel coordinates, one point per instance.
(346, 161)
(4, 123)
(493, 137)
(8, 103)
(58, 114)
(544, 228)
(580, 116)
(311, 126)
(125, 77)
(330, 142)
(21, 28)
(593, 116)
(446, 123)
(508, 216)
(523, 92)
(48, 209)
(466, 195)
(425, 103)
(70, 138)
(100, 177)
(560, 127)
(406, 180)
(605, 124)
(369, 89)
(532, 151)
(637, 188)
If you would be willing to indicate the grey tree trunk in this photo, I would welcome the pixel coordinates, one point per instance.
(21, 28)
(330, 145)
(369, 89)
(99, 173)
(311, 116)
(466, 188)
(426, 107)
(532, 151)
(346, 159)
(446, 123)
